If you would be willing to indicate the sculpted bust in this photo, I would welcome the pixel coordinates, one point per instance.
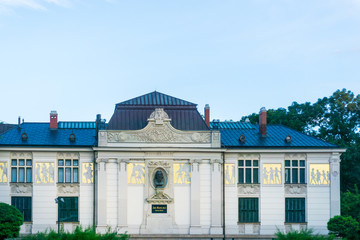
(160, 179)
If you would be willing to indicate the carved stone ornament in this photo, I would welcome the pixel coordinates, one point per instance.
(21, 188)
(159, 130)
(25, 155)
(158, 163)
(295, 189)
(295, 156)
(72, 155)
(248, 189)
(252, 156)
(159, 197)
(67, 189)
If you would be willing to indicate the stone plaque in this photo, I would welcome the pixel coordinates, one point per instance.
(159, 208)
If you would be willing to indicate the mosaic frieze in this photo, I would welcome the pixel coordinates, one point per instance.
(3, 172)
(87, 173)
(229, 173)
(319, 174)
(44, 172)
(271, 173)
(182, 174)
(136, 173)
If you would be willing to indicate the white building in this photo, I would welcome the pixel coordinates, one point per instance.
(161, 169)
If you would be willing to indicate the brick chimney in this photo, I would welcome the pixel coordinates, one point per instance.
(207, 114)
(262, 121)
(53, 120)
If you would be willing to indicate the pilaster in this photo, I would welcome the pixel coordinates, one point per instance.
(335, 184)
(195, 227)
(122, 197)
(216, 187)
(112, 192)
(101, 194)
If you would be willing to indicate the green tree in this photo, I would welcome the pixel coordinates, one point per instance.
(345, 227)
(10, 221)
(335, 119)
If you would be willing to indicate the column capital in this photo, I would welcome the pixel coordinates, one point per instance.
(195, 161)
(217, 160)
(335, 158)
(123, 160)
(100, 160)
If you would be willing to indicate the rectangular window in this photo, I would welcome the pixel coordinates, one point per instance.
(68, 170)
(295, 171)
(24, 206)
(21, 172)
(248, 210)
(295, 210)
(248, 171)
(68, 209)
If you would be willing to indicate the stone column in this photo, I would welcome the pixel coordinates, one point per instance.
(112, 193)
(216, 187)
(122, 198)
(101, 194)
(195, 227)
(335, 184)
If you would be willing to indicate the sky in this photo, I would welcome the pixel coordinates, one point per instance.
(81, 57)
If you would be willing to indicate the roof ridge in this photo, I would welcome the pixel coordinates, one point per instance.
(156, 98)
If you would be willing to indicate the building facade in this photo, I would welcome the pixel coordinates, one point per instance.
(157, 167)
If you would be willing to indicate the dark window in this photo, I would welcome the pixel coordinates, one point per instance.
(295, 210)
(68, 171)
(21, 172)
(68, 209)
(295, 171)
(248, 171)
(248, 210)
(24, 205)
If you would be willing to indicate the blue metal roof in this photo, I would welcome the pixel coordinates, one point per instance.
(156, 99)
(77, 125)
(230, 125)
(40, 134)
(275, 138)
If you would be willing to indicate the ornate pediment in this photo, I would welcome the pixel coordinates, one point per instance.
(159, 130)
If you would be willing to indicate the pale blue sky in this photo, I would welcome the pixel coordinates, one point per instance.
(81, 57)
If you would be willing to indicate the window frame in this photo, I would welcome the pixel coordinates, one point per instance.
(291, 214)
(16, 201)
(63, 168)
(17, 167)
(64, 206)
(253, 213)
(251, 167)
(291, 169)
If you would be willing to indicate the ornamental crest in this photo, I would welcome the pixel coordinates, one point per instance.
(159, 130)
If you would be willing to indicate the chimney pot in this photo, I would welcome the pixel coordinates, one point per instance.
(53, 120)
(207, 115)
(262, 121)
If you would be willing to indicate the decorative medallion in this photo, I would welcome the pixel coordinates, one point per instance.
(21, 188)
(67, 189)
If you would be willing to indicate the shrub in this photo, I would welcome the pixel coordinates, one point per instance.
(350, 204)
(303, 234)
(10, 221)
(88, 233)
(344, 227)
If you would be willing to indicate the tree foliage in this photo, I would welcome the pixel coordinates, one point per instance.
(10, 221)
(335, 119)
(303, 234)
(346, 227)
